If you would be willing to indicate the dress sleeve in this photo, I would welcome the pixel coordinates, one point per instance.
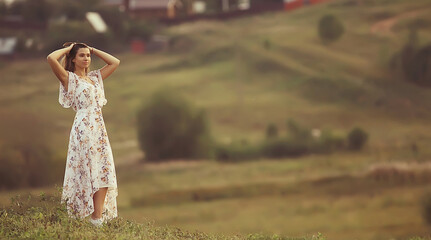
(66, 98)
(98, 75)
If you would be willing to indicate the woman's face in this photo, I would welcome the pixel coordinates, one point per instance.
(82, 58)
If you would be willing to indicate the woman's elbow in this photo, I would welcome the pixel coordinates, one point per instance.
(116, 63)
(49, 58)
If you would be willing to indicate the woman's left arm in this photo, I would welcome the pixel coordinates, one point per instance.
(111, 62)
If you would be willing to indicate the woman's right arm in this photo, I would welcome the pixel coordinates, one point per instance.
(56, 67)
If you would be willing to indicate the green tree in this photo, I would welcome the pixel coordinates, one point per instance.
(357, 138)
(421, 69)
(412, 61)
(330, 28)
(169, 127)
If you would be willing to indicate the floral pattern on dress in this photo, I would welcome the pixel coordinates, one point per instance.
(90, 162)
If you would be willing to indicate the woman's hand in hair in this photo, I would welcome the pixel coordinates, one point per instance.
(68, 46)
(56, 67)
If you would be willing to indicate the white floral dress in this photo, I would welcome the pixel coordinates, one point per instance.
(90, 163)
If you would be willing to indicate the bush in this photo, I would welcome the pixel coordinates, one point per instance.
(25, 157)
(169, 127)
(298, 142)
(269, 148)
(237, 151)
(330, 28)
(283, 147)
(357, 139)
(27, 166)
(12, 169)
(328, 143)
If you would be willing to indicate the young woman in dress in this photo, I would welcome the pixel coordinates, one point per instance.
(90, 185)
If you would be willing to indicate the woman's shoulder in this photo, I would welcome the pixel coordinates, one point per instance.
(70, 74)
(93, 72)
(96, 74)
(72, 77)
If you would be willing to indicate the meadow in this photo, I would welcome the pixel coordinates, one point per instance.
(247, 73)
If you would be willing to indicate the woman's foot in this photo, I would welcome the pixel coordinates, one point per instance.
(96, 222)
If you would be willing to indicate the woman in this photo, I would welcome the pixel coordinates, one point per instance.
(90, 185)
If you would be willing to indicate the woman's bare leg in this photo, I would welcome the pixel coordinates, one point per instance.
(98, 201)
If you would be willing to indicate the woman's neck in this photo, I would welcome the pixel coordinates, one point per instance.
(80, 72)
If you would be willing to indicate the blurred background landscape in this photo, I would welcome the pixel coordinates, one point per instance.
(227, 116)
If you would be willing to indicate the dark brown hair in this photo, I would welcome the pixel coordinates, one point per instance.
(68, 64)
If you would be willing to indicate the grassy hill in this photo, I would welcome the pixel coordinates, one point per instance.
(41, 217)
(248, 73)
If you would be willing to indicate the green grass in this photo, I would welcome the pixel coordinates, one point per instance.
(42, 217)
(288, 198)
(296, 198)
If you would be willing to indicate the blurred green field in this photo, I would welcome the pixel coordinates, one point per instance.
(225, 68)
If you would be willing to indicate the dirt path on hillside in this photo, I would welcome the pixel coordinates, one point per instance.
(384, 27)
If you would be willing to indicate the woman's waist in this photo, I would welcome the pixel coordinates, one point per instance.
(89, 110)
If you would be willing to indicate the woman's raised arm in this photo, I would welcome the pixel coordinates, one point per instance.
(56, 67)
(111, 62)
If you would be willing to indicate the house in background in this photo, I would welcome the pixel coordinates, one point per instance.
(153, 9)
(178, 11)
(229, 5)
(250, 6)
(293, 4)
(7, 47)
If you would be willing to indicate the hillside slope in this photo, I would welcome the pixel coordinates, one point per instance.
(252, 71)
(41, 217)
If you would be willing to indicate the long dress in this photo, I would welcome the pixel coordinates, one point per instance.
(90, 163)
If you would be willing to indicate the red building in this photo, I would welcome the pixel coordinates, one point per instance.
(294, 4)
